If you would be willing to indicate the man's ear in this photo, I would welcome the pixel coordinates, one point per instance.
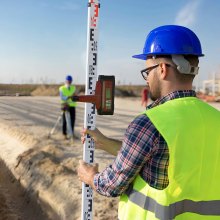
(163, 71)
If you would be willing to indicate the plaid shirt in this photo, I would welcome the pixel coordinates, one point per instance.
(144, 151)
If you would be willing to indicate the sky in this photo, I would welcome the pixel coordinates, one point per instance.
(41, 41)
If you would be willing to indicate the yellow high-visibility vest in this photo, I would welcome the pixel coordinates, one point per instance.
(191, 130)
(68, 92)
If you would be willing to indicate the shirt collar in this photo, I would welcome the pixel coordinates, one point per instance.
(172, 95)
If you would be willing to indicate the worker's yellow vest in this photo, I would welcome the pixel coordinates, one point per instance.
(68, 92)
(191, 129)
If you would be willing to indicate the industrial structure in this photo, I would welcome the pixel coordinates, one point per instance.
(212, 86)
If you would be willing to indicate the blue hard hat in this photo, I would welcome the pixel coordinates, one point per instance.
(69, 78)
(171, 39)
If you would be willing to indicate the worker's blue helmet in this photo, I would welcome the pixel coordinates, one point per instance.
(171, 39)
(69, 78)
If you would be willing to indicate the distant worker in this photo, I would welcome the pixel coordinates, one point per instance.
(66, 92)
(144, 97)
(167, 166)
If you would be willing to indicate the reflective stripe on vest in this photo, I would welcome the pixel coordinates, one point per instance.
(171, 211)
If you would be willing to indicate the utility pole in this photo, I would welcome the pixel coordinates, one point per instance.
(90, 114)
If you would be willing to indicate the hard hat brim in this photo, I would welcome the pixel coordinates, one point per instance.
(140, 56)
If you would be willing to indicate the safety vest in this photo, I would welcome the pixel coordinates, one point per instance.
(191, 130)
(68, 92)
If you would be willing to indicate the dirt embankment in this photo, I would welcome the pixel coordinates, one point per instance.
(47, 172)
(15, 202)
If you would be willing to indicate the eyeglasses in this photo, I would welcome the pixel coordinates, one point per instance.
(145, 72)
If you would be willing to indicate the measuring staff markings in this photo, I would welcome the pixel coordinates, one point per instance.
(90, 118)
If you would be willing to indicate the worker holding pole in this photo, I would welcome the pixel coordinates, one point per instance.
(68, 107)
(167, 166)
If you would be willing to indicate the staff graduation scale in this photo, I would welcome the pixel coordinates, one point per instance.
(90, 114)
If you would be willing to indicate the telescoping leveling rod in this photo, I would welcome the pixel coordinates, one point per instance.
(104, 95)
(89, 116)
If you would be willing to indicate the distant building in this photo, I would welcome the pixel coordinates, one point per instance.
(212, 87)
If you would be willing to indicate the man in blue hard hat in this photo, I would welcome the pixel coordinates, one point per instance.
(166, 167)
(66, 92)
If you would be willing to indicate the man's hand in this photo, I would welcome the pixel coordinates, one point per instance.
(86, 172)
(99, 138)
(102, 142)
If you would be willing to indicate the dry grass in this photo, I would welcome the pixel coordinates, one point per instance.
(12, 89)
(53, 90)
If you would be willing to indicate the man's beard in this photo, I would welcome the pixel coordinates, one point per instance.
(152, 97)
(157, 94)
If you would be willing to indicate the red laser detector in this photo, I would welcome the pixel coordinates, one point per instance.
(104, 95)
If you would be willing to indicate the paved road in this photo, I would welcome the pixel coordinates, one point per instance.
(38, 114)
(35, 112)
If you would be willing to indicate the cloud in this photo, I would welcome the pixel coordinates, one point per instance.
(187, 15)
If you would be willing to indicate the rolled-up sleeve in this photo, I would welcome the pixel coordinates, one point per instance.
(136, 150)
